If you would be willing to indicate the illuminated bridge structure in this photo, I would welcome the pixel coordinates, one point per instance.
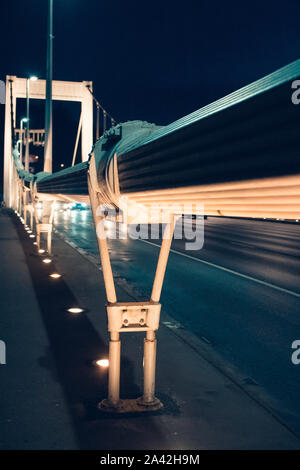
(238, 156)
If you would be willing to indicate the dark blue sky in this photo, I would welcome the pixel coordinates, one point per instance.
(157, 60)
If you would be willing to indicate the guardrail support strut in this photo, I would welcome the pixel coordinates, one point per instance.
(129, 316)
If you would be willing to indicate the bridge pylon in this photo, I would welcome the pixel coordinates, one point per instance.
(62, 91)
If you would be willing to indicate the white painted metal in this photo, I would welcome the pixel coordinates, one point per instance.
(61, 90)
(28, 209)
(36, 137)
(149, 368)
(44, 223)
(126, 317)
(114, 369)
(163, 259)
(129, 316)
(21, 137)
(101, 236)
(114, 343)
(7, 176)
(27, 126)
(77, 139)
(48, 107)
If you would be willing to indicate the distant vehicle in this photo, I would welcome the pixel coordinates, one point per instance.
(81, 206)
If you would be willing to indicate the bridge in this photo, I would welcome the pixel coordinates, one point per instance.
(237, 157)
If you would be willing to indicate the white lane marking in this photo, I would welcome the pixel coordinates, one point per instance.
(231, 271)
(222, 268)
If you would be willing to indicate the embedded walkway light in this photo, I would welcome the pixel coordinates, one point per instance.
(75, 310)
(102, 363)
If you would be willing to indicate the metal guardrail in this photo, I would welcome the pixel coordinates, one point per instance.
(237, 156)
(248, 136)
(36, 136)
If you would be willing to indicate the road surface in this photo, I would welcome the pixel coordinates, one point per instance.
(240, 293)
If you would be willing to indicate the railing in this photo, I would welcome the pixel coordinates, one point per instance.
(36, 136)
(238, 156)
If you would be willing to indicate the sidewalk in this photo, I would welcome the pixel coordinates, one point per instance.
(50, 388)
(33, 411)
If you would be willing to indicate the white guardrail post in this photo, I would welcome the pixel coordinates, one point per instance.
(129, 316)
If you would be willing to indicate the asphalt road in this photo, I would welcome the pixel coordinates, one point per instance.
(240, 293)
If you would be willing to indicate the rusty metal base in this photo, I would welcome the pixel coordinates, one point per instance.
(130, 406)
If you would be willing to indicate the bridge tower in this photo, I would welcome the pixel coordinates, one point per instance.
(61, 90)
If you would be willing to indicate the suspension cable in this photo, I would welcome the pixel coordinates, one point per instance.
(105, 113)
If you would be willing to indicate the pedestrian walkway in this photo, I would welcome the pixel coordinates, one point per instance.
(33, 410)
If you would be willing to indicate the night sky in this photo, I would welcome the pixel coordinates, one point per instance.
(154, 61)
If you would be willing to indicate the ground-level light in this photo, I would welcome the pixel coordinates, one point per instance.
(47, 260)
(102, 363)
(55, 276)
(75, 310)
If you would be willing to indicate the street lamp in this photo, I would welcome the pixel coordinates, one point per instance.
(48, 109)
(33, 79)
